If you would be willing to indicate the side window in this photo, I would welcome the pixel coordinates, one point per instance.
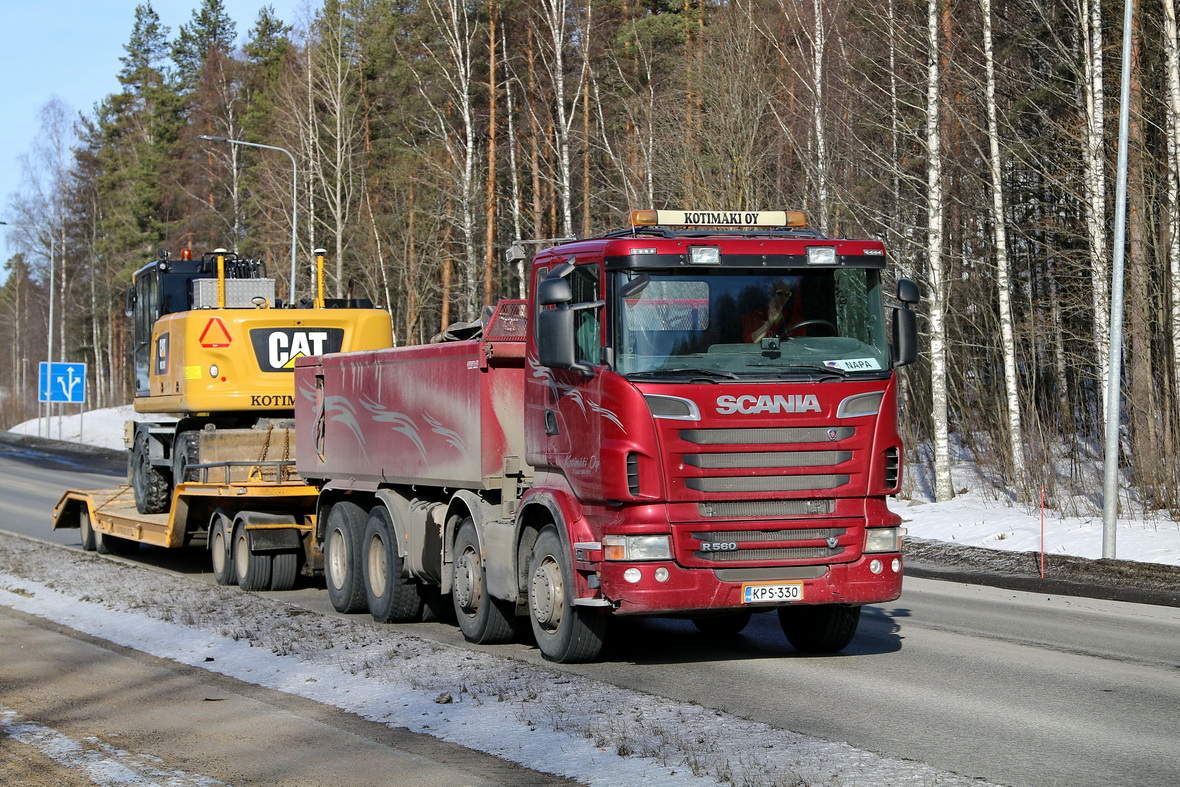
(587, 331)
(537, 307)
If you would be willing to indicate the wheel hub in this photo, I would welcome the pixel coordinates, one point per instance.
(547, 594)
(466, 585)
(338, 563)
(377, 567)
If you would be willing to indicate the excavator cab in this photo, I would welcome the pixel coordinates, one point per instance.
(166, 286)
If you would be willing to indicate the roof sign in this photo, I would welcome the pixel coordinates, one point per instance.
(718, 218)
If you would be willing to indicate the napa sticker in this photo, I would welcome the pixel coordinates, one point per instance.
(277, 348)
(855, 364)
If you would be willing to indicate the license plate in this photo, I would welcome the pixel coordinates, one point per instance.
(772, 593)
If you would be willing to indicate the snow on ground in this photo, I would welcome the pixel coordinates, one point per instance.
(544, 719)
(971, 519)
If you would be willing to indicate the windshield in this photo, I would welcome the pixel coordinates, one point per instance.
(719, 324)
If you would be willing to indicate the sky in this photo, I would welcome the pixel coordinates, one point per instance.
(70, 49)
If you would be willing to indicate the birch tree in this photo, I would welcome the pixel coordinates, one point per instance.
(943, 487)
(1000, 237)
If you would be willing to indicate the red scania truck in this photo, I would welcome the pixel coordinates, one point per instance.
(694, 417)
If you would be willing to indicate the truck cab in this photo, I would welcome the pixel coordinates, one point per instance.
(713, 412)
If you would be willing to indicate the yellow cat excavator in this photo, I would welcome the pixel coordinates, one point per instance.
(214, 358)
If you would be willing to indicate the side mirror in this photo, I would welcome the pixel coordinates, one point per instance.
(129, 302)
(905, 324)
(635, 286)
(553, 291)
(907, 291)
(555, 338)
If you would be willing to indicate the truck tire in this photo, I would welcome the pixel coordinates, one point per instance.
(728, 624)
(284, 570)
(482, 619)
(185, 451)
(826, 628)
(342, 557)
(106, 544)
(565, 633)
(86, 531)
(221, 554)
(151, 487)
(252, 569)
(392, 598)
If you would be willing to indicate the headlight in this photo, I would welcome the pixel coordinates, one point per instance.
(821, 255)
(883, 539)
(637, 547)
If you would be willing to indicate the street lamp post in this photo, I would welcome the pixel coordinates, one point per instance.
(49, 325)
(294, 192)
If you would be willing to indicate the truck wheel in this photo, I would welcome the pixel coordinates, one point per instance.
(342, 557)
(185, 451)
(565, 633)
(392, 598)
(86, 530)
(106, 544)
(482, 619)
(252, 569)
(824, 628)
(284, 570)
(150, 486)
(219, 551)
(725, 625)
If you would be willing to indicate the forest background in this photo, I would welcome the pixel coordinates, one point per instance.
(975, 137)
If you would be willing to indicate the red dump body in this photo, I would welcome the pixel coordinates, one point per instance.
(443, 415)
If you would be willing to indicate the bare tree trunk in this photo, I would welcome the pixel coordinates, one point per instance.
(943, 487)
(1095, 181)
(513, 170)
(489, 263)
(555, 14)
(1003, 286)
(818, 47)
(1172, 133)
(1147, 452)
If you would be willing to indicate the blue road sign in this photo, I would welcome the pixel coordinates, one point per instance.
(62, 382)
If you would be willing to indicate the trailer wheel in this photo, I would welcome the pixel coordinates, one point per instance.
(482, 619)
(565, 633)
(87, 530)
(252, 569)
(392, 598)
(150, 486)
(824, 628)
(106, 544)
(185, 451)
(284, 570)
(220, 553)
(342, 557)
(725, 625)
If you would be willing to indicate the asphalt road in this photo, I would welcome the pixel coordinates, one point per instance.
(1009, 686)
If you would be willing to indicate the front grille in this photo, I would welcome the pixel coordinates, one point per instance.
(761, 483)
(785, 553)
(767, 436)
(756, 459)
(750, 536)
(740, 509)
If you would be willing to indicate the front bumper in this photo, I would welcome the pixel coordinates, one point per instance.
(701, 589)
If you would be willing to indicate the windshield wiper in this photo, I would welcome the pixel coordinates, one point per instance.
(833, 371)
(687, 372)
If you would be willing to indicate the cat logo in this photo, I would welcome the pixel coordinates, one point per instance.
(277, 348)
